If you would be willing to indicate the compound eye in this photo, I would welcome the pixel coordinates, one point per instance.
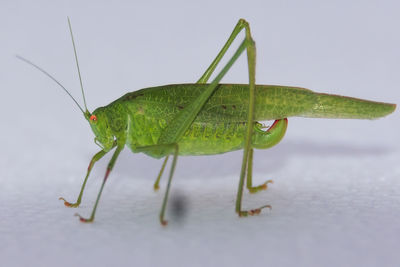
(93, 118)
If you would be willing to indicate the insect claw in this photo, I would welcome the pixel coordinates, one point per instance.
(266, 206)
(264, 186)
(164, 223)
(253, 211)
(69, 204)
(243, 213)
(84, 220)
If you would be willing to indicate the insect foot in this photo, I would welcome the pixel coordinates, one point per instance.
(156, 187)
(69, 204)
(84, 220)
(259, 188)
(253, 212)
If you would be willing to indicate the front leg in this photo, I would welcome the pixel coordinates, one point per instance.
(109, 169)
(95, 158)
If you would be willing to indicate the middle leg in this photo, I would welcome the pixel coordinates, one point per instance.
(249, 179)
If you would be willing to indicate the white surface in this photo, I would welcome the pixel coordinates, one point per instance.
(336, 197)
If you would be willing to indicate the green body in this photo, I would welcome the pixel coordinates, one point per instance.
(209, 118)
(141, 116)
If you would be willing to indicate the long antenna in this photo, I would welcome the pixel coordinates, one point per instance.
(51, 77)
(77, 64)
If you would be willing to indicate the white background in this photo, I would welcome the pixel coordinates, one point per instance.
(336, 196)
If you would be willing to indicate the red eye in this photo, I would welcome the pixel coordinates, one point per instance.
(93, 118)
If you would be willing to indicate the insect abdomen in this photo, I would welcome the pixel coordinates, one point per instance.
(212, 138)
(335, 106)
(230, 102)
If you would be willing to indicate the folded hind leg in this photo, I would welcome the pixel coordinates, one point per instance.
(263, 140)
(249, 183)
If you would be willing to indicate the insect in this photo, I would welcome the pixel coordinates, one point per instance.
(205, 118)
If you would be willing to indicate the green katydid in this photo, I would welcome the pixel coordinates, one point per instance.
(209, 118)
